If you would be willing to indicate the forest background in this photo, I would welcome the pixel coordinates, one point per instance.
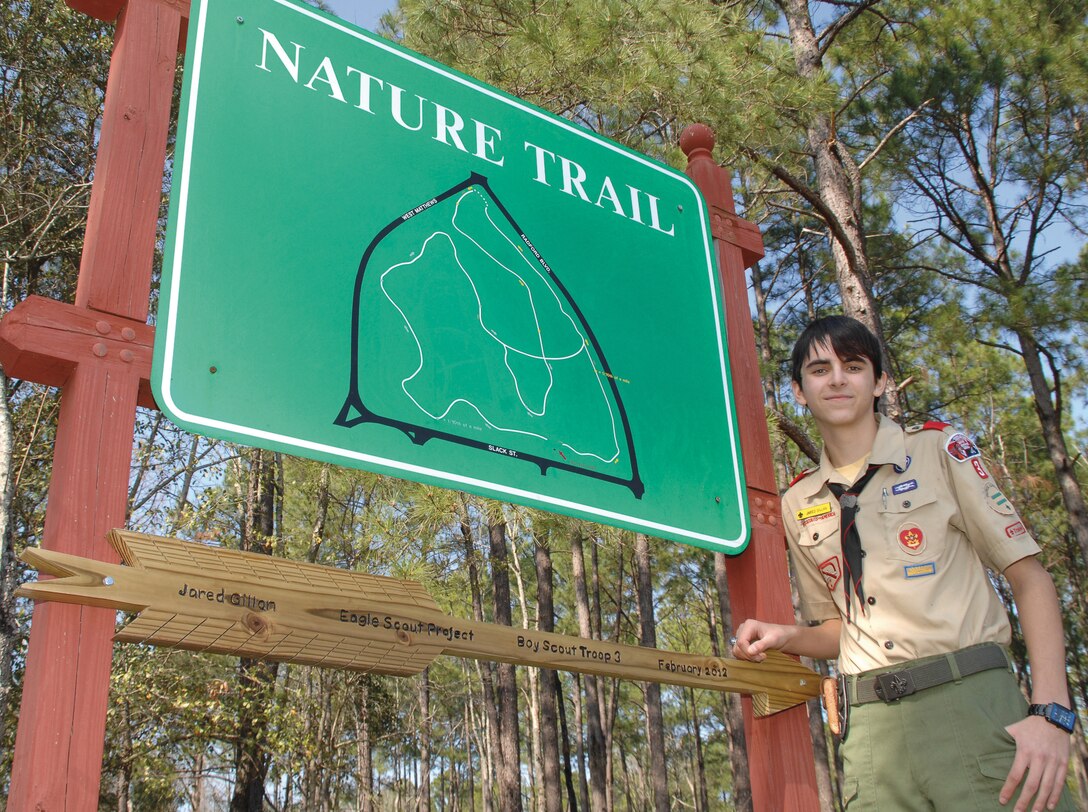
(921, 166)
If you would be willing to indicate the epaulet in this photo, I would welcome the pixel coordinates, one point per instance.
(929, 425)
(801, 476)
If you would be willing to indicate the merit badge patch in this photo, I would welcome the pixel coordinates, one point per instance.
(912, 539)
(814, 512)
(903, 487)
(997, 501)
(832, 572)
(902, 469)
(960, 447)
(979, 469)
(1015, 529)
(919, 570)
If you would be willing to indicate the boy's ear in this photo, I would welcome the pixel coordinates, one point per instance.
(881, 385)
(798, 393)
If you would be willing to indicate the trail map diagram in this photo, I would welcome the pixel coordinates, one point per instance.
(462, 332)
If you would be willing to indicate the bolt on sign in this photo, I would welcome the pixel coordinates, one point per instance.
(377, 261)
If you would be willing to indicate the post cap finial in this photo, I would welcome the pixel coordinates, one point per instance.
(695, 137)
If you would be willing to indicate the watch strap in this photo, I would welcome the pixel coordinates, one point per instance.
(1053, 713)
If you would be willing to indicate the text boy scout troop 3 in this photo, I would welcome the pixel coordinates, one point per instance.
(891, 537)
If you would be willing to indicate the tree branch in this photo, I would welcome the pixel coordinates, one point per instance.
(797, 434)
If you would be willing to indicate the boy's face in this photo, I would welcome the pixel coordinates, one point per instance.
(838, 391)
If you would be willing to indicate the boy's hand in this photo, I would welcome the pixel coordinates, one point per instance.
(755, 638)
(1042, 759)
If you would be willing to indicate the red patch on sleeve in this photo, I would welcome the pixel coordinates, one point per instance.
(935, 425)
(832, 572)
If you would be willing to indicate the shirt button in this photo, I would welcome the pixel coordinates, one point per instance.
(889, 645)
(871, 600)
(815, 536)
(863, 553)
(906, 504)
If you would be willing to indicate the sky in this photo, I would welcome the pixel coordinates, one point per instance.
(363, 13)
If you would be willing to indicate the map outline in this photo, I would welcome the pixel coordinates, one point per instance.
(355, 412)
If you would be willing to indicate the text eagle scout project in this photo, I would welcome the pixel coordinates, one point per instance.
(192, 596)
(374, 260)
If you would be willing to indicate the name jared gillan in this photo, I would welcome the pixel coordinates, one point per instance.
(232, 598)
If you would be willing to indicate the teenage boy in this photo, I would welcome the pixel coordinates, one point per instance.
(891, 536)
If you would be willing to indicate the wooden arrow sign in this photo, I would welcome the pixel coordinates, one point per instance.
(192, 596)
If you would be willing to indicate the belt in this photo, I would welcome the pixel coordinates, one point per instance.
(894, 685)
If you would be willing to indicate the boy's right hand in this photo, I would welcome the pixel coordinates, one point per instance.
(755, 638)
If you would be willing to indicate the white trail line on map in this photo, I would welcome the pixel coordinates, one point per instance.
(507, 348)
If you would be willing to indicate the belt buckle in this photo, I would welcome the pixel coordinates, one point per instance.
(894, 686)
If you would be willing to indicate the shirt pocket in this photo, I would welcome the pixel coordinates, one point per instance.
(910, 521)
(820, 542)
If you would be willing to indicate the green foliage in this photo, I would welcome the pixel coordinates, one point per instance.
(637, 72)
(53, 62)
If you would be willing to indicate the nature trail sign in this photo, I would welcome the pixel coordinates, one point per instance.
(377, 261)
(195, 597)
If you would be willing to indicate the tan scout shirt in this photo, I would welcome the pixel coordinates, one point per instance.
(930, 520)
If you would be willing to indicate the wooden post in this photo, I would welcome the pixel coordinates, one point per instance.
(99, 351)
(780, 755)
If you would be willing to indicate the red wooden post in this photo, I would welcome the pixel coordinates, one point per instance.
(100, 351)
(780, 756)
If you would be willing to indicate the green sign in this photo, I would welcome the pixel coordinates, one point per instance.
(377, 261)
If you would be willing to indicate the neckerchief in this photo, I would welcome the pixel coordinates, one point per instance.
(851, 540)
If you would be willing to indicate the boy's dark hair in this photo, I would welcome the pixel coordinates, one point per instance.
(848, 337)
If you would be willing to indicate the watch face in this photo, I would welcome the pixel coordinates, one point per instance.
(1062, 717)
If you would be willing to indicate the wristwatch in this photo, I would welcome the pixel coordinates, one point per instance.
(1056, 714)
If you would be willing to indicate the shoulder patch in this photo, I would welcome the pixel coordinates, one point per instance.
(960, 447)
(800, 476)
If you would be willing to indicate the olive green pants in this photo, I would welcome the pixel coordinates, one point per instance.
(941, 749)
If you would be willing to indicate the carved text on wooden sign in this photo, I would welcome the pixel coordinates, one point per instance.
(192, 596)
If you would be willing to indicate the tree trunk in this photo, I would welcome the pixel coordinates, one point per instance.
(655, 723)
(536, 766)
(598, 801)
(607, 689)
(469, 772)
(564, 741)
(702, 799)
(1080, 769)
(424, 802)
(825, 757)
(1050, 419)
(580, 741)
(9, 624)
(552, 790)
(197, 794)
(364, 769)
(838, 182)
(317, 533)
(124, 772)
(734, 713)
(256, 680)
(510, 770)
(492, 758)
